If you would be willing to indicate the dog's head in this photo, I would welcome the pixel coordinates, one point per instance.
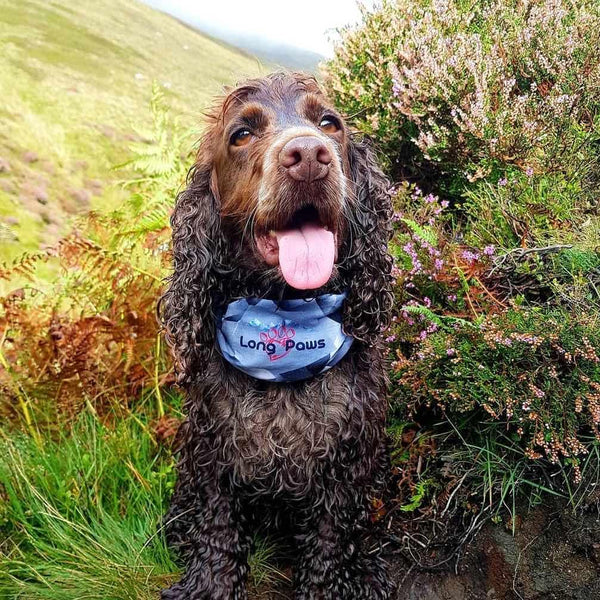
(281, 195)
(279, 154)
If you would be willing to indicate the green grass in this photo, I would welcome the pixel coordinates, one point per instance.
(79, 513)
(76, 81)
(501, 481)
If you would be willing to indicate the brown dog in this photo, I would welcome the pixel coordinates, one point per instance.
(282, 204)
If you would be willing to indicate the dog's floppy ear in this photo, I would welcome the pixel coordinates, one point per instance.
(367, 268)
(198, 247)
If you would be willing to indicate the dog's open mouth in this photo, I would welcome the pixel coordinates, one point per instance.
(305, 249)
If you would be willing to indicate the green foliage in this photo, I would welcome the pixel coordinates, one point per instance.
(536, 372)
(501, 350)
(417, 497)
(79, 513)
(263, 563)
(528, 209)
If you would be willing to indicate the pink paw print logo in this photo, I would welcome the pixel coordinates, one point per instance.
(278, 338)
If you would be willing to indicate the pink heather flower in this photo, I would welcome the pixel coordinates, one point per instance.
(537, 392)
(439, 263)
(444, 203)
(427, 302)
(503, 182)
(529, 172)
(429, 198)
(451, 351)
(489, 250)
(451, 297)
(470, 256)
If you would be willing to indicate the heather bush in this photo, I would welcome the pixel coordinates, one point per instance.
(535, 372)
(487, 115)
(489, 98)
(509, 339)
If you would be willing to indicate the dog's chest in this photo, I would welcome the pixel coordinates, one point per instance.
(285, 431)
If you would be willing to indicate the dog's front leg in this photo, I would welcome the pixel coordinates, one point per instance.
(208, 530)
(333, 564)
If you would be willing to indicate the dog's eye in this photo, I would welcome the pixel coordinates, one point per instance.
(329, 124)
(241, 137)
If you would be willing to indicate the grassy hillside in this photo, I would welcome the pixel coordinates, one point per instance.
(76, 81)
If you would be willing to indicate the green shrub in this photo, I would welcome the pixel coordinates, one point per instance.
(509, 340)
(535, 372)
(459, 92)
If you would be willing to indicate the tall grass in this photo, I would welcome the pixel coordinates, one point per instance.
(79, 513)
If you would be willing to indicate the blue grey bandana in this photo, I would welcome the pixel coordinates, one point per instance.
(284, 340)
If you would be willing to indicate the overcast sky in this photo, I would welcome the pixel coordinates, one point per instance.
(308, 24)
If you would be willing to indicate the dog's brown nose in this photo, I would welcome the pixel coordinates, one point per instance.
(306, 158)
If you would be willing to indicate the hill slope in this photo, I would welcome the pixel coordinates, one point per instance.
(76, 81)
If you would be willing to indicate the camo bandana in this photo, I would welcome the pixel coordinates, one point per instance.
(285, 340)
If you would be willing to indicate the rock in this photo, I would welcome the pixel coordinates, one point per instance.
(35, 192)
(41, 195)
(82, 197)
(30, 156)
(554, 555)
(95, 186)
(424, 587)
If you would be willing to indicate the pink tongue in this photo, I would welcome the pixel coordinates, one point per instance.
(306, 256)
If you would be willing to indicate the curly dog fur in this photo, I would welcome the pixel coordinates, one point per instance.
(312, 452)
